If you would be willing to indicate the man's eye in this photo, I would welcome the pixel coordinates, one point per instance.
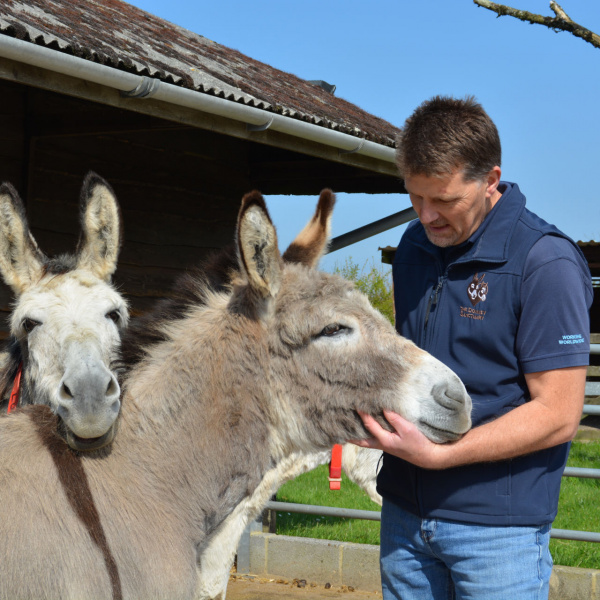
(29, 325)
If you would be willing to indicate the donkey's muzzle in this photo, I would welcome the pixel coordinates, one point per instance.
(452, 417)
(88, 444)
(88, 402)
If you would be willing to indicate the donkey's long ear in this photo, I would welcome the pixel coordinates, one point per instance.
(101, 233)
(311, 243)
(21, 261)
(257, 246)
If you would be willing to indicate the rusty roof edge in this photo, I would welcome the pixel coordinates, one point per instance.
(205, 82)
(140, 86)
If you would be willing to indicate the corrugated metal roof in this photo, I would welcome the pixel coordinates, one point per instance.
(122, 36)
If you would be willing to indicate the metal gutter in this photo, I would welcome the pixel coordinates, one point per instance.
(139, 87)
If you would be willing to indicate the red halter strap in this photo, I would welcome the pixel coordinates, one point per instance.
(14, 394)
(335, 468)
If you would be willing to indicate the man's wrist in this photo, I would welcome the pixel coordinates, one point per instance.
(439, 457)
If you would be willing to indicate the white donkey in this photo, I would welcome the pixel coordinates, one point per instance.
(215, 562)
(222, 393)
(67, 318)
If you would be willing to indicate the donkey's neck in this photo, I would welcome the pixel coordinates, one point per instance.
(194, 419)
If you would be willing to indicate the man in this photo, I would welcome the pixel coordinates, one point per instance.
(503, 299)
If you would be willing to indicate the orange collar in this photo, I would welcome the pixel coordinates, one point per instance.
(335, 468)
(14, 394)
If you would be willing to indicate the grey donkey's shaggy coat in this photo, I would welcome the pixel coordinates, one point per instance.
(273, 367)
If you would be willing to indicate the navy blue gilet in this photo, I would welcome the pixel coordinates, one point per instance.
(463, 305)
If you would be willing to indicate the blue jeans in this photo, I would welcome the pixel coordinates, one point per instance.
(437, 559)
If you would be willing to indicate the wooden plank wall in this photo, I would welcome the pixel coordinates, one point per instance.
(179, 188)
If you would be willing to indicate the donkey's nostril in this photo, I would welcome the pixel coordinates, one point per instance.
(448, 397)
(112, 388)
(67, 391)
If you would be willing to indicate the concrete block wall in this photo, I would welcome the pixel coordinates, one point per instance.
(571, 583)
(357, 565)
(317, 561)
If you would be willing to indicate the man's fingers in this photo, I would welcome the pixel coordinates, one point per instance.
(398, 422)
(373, 428)
(371, 424)
(369, 443)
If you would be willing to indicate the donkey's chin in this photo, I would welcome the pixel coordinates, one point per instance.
(437, 435)
(88, 444)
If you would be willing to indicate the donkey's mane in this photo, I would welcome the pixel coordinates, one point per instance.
(61, 264)
(189, 291)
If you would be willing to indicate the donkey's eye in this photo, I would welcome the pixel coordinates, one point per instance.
(29, 325)
(114, 316)
(333, 330)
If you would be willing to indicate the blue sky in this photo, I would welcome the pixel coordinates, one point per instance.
(541, 88)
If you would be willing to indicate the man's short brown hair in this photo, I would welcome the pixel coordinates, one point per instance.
(444, 134)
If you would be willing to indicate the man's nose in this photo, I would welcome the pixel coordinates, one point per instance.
(428, 213)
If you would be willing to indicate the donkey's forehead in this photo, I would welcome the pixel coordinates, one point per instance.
(303, 284)
(319, 296)
(80, 277)
(71, 291)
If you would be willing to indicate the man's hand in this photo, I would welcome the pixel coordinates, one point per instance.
(551, 417)
(405, 442)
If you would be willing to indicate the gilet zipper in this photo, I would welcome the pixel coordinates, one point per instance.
(433, 300)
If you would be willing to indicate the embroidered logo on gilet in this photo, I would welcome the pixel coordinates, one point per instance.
(477, 291)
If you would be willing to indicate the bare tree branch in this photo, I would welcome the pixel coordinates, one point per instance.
(561, 22)
(559, 12)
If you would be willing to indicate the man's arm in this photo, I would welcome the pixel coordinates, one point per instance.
(550, 418)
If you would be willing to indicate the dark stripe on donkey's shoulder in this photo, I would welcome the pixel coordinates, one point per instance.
(73, 479)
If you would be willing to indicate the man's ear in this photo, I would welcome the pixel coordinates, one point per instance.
(492, 181)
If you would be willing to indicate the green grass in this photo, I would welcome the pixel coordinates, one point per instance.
(579, 508)
(313, 488)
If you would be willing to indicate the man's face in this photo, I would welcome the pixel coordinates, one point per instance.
(450, 208)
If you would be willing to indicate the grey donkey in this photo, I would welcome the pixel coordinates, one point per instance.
(230, 386)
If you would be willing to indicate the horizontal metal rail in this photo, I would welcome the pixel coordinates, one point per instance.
(372, 515)
(583, 473)
(324, 511)
(591, 409)
(578, 536)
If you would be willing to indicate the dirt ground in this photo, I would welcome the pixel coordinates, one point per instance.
(247, 587)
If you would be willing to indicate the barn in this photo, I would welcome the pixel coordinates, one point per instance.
(179, 125)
